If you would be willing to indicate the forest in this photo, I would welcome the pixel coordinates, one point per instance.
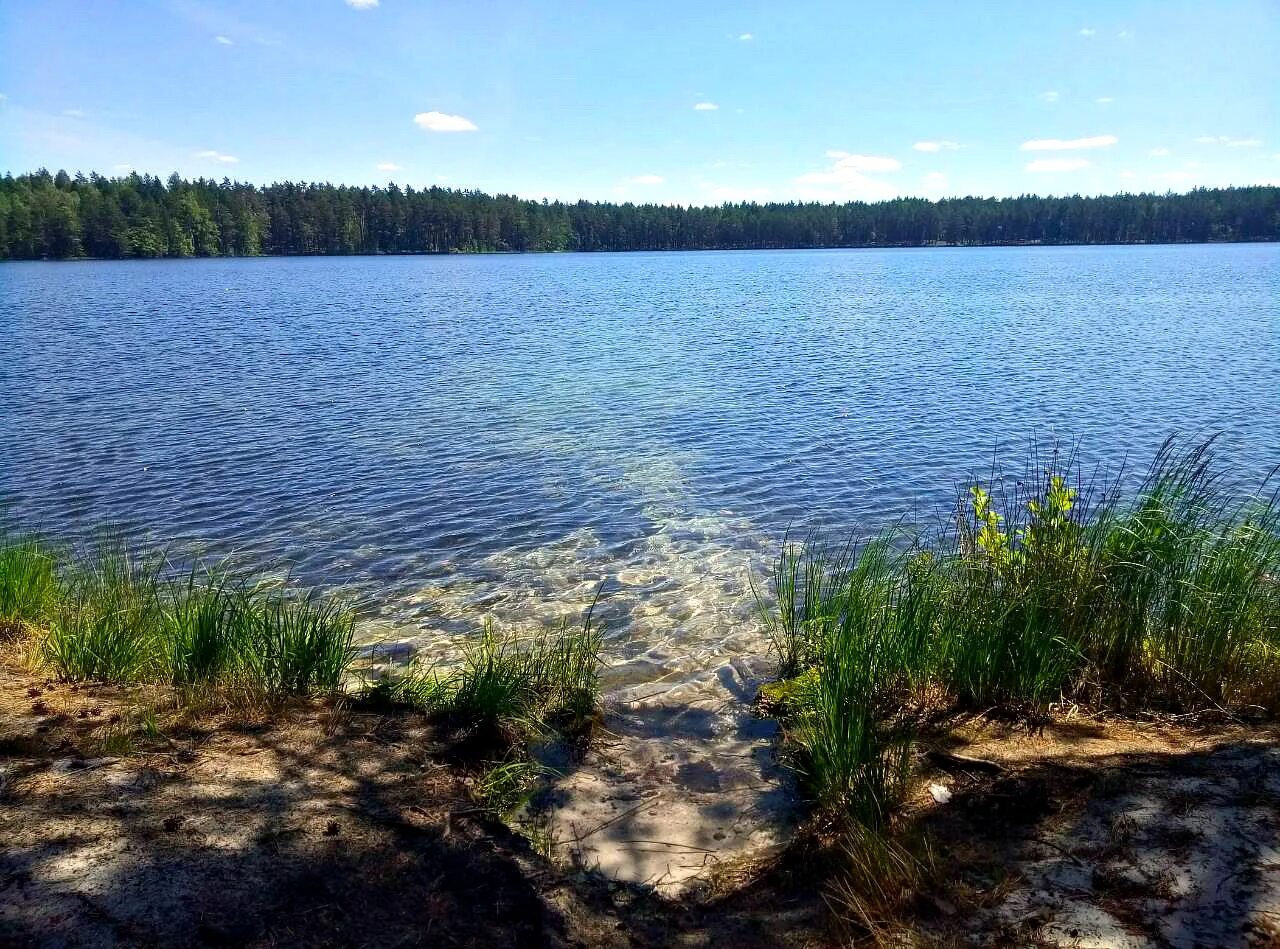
(60, 216)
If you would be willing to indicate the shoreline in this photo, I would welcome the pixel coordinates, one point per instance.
(1069, 671)
(653, 250)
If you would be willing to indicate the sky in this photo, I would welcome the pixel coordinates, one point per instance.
(656, 101)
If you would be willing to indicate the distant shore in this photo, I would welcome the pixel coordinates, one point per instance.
(46, 216)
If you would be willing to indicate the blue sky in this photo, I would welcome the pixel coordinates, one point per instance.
(657, 101)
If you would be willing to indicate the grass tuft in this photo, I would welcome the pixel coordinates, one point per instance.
(29, 588)
(509, 685)
(115, 614)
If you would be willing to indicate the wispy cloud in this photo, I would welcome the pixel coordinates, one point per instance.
(362, 4)
(223, 40)
(705, 107)
(1160, 152)
(1051, 96)
(123, 167)
(74, 113)
(212, 155)
(1056, 165)
(1228, 141)
(1068, 144)
(648, 180)
(443, 122)
(387, 166)
(1088, 31)
(864, 162)
(1104, 100)
(745, 37)
(849, 177)
(936, 146)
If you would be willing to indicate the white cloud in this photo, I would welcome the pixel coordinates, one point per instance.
(74, 113)
(864, 162)
(3, 97)
(1104, 100)
(935, 146)
(362, 4)
(212, 155)
(1050, 96)
(223, 40)
(1124, 34)
(849, 178)
(443, 122)
(387, 166)
(705, 107)
(1056, 165)
(124, 168)
(1087, 31)
(1067, 144)
(1127, 174)
(1176, 177)
(1228, 141)
(648, 180)
(1160, 152)
(746, 37)
(442, 178)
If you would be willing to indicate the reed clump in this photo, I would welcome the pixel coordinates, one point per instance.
(1044, 588)
(115, 614)
(509, 687)
(29, 589)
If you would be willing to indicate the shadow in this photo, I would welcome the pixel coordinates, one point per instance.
(316, 830)
(1178, 849)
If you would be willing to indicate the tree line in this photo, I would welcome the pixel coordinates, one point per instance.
(48, 216)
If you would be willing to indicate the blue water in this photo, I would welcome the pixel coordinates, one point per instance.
(515, 429)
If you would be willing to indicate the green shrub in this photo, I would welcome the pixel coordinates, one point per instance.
(1046, 587)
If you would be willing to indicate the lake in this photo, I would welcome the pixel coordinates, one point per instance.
(461, 436)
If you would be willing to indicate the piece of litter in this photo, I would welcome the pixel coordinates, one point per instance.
(940, 793)
(73, 765)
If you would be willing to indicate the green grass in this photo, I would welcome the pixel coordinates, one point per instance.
(299, 642)
(506, 786)
(509, 685)
(113, 613)
(29, 588)
(110, 624)
(1046, 587)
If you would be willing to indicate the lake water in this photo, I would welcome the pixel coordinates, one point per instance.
(462, 436)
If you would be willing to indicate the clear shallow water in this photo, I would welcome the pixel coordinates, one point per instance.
(468, 435)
